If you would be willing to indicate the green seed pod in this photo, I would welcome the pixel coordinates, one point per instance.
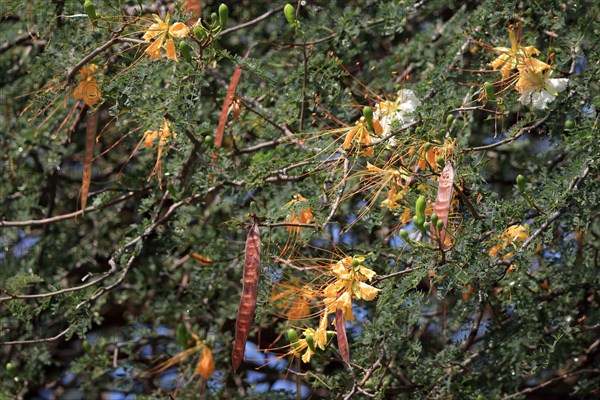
(440, 224)
(290, 14)
(368, 114)
(223, 14)
(521, 183)
(90, 10)
(426, 147)
(489, 91)
(184, 49)
(10, 369)
(449, 120)
(404, 235)
(310, 341)
(420, 207)
(426, 225)
(440, 161)
(569, 124)
(434, 219)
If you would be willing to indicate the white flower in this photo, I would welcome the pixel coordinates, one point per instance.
(400, 110)
(539, 89)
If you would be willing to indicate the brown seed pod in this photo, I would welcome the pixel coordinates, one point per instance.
(342, 339)
(248, 301)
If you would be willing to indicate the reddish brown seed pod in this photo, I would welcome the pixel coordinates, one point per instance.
(248, 301)
(342, 339)
(442, 202)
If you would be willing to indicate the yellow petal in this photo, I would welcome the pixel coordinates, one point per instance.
(149, 137)
(206, 366)
(152, 31)
(154, 49)
(179, 30)
(306, 357)
(170, 48)
(367, 273)
(367, 292)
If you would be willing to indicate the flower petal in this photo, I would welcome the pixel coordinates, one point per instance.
(179, 30)
(154, 49)
(170, 48)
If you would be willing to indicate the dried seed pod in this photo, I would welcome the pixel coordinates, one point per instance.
(342, 339)
(442, 202)
(249, 292)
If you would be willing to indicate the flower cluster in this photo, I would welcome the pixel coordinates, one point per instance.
(163, 136)
(510, 237)
(401, 111)
(533, 78)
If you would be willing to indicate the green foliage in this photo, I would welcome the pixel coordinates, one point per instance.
(507, 308)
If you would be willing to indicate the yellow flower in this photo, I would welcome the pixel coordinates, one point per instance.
(165, 37)
(510, 237)
(88, 88)
(517, 56)
(299, 215)
(360, 134)
(349, 283)
(206, 365)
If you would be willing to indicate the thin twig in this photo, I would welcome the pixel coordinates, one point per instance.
(252, 22)
(511, 139)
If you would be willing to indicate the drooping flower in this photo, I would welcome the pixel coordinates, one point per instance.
(206, 365)
(398, 111)
(361, 134)
(88, 88)
(165, 37)
(164, 135)
(300, 213)
(538, 87)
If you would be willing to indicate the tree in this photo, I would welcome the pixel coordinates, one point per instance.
(422, 179)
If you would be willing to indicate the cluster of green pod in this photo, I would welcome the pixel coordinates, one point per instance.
(420, 221)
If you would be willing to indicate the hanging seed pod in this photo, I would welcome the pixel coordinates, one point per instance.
(342, 339)
(249, 292)
(368, 114)
(90, 10)
(489, 91)
(521, 183)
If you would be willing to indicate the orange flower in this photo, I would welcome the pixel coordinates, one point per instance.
(360, 134)
(165, 35)
(206, 365)
(88, 88)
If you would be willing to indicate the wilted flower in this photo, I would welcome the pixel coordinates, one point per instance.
(88, 88)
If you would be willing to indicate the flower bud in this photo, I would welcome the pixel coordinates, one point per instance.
(449, 120)
(290, 14)
(521, 183)
(420, 207)
(184, 49)
(223, 14)
(90, 10)
(368, 114)
(489, 91)
(440, 161)
(310, 341)
(404, 235)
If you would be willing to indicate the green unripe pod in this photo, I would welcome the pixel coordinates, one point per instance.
(440, 161)
(434, 219)
(426, 147)
(569, 124)
(404, 235)
(223, 14)
(290, 14)
(521, 183)
(184, 49)
(90, 10)
(10, 369)
(426, 225)
(310, 341)
(449, 120)
(368, 114)
(489, 91)
(440, 224)
(420, 207)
